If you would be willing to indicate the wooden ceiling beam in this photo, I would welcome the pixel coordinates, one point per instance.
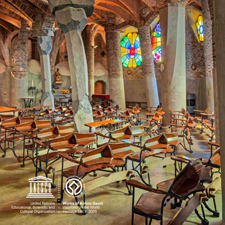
(19, 5)
(10, 19)
(9, 27)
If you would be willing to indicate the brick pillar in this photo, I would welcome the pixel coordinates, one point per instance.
(90, 54)
(219, 21)
(148, 66)
(208, 52)
(19, 58)
(116, 82)
(172, 20)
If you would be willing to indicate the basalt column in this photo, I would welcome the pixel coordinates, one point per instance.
(72, 21)
(44, 48)
(148, 66)
(208, 52)
(172, 21)
(116, 82)
(219, 23)
(90, 41)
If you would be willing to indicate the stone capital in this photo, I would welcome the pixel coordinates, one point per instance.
(87, 5)
(43, 26)
(44, 45)
(71, 19)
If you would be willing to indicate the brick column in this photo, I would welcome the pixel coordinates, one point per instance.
(172, 21)
(72, 19)
(90, 54)
(208, 52)
(219, 22)
(148, 66)
(116, 82)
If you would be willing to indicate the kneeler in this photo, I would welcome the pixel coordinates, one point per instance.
(151, 204)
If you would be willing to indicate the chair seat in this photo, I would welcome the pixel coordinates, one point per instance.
(50, 156)
(15, 138)
(144, 155)
(150, 203)
(86, 142)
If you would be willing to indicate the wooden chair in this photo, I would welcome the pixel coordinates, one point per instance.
(106, 156)
(153, 126)
(64, 118)
(151, 204)
(203, 167)
(125, 133)
(99, 114)
(186, 126)
(152, 147)
(12, 138)
(45, 114)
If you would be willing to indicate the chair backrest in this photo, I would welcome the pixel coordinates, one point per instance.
(101, 155)
(125, 130)
(183, 111)
(186, 182)
(209, 111)
(6, 117)
(215, 158)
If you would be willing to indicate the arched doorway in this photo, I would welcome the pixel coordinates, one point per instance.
(100, 87)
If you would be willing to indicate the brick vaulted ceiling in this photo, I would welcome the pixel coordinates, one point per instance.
(118, 13)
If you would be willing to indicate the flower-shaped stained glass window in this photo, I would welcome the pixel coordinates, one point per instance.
(156, 43)
(131, 51)
(200, 28)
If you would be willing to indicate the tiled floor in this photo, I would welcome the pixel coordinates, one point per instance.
(116, 208)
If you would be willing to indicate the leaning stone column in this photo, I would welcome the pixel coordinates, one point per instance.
(72, 20)
(90, 53)
(172, 21)
(219, 22)
(208, 53)
(116, 82)
(44, 48)
(148, 66)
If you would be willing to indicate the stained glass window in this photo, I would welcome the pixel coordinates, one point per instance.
(156, 43)
(200, 28)
(131, 51)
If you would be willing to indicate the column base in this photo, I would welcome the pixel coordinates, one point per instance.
(82, 114)
(152, 95)
(116, 91)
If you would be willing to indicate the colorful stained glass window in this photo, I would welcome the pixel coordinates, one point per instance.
(200, 28)
(131, 50)
(156, 43)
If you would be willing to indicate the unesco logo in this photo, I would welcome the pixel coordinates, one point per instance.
(73, 186)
